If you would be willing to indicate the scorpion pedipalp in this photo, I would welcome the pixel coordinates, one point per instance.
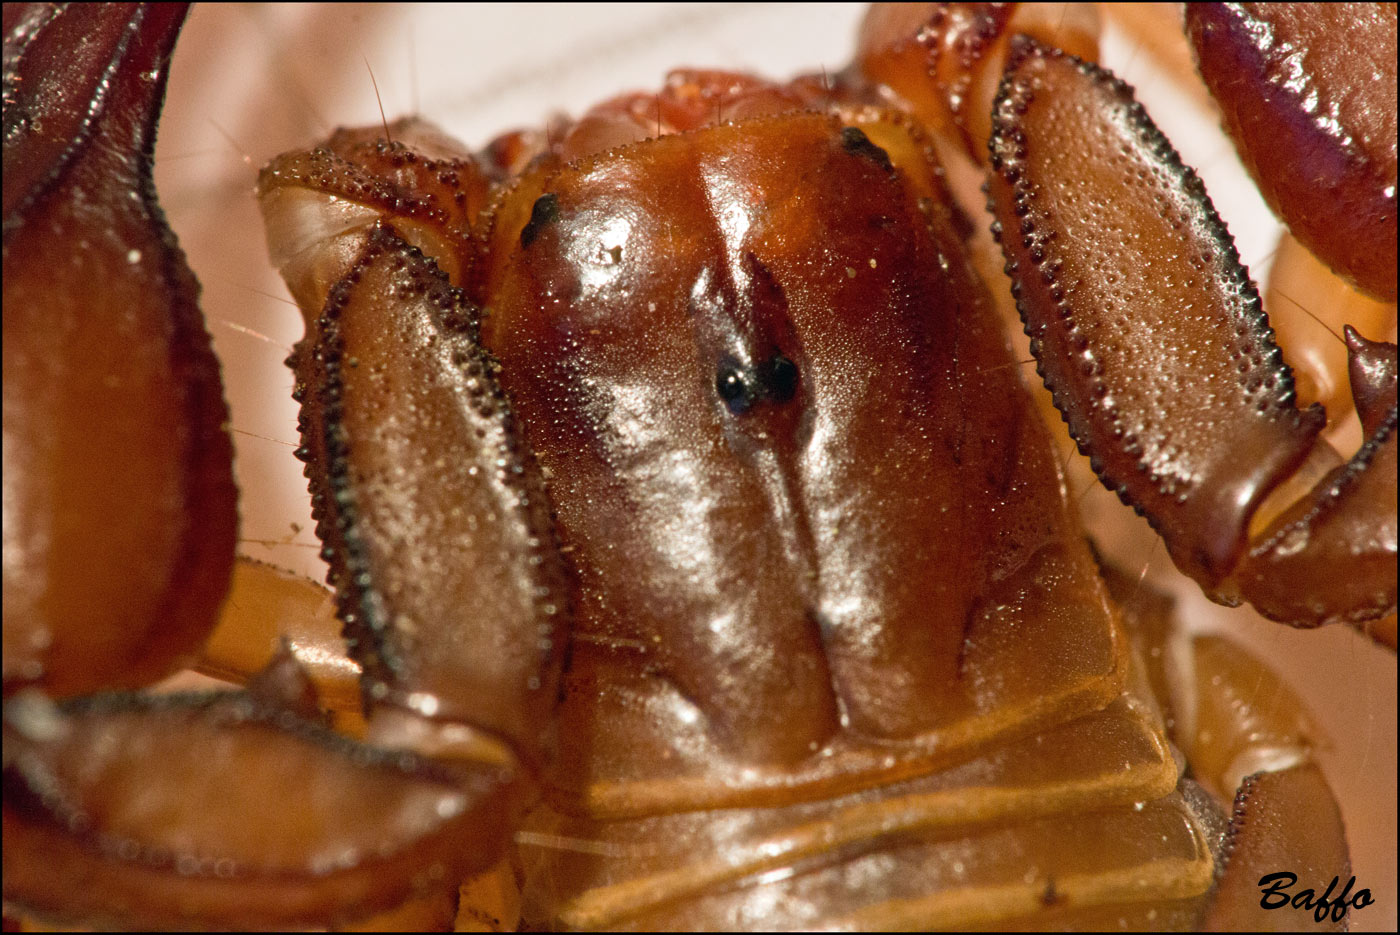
(1155, 344)
(102, 319)
(1307, 93)
(98, 598)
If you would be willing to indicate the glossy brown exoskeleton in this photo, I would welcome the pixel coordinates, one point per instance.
(689, 520)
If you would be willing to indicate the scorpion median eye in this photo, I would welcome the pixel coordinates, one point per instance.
(779, 377)
(545, 211)
(733, 388)
(775, 379)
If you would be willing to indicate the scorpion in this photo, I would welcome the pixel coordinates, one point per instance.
(475, 760)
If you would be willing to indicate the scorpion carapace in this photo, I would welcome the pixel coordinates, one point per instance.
(702, 552)
(741, 281)
(753, 320)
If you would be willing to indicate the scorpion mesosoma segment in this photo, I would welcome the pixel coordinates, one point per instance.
(1363, 742)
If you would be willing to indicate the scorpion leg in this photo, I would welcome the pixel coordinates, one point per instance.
(1299, 280)
(1249, 739)
(1152, 338)
(269, 608)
